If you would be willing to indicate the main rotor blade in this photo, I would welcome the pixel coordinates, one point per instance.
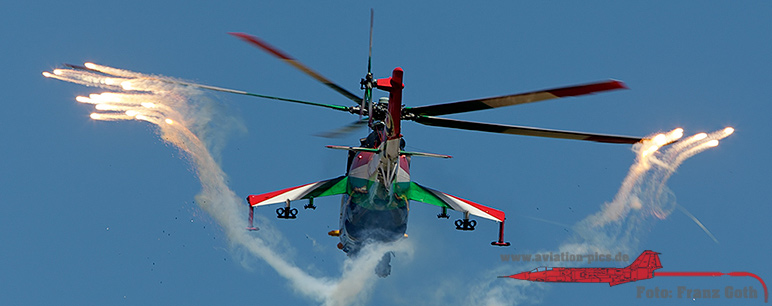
(528, 97)
(241, 92)
(228, 90)
(345, 130)
(522, 130)
(289, 60)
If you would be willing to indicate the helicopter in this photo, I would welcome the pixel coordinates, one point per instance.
(376, 188)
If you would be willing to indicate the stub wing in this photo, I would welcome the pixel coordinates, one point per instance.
(361, 149)
(307, 191)
(430, 196)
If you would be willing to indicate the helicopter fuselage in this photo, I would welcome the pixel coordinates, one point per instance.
(376, 206)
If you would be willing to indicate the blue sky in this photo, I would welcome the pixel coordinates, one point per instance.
(104, 212)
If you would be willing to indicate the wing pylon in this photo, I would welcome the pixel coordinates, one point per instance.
(435, 197)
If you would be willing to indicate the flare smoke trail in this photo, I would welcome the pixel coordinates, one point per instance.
(642, 198)
(184, 120)
(643, 195)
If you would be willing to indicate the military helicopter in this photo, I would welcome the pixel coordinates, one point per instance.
(376, 187)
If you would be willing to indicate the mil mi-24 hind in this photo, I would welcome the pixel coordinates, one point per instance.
(642, 268)
(376, 187)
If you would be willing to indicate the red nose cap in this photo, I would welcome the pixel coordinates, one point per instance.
(523, 276)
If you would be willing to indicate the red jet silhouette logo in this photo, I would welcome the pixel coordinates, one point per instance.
(642, 268)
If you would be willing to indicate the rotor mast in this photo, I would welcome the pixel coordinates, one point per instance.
(394, 86)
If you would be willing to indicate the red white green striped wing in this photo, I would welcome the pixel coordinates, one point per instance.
(307, 191)
(430, 196)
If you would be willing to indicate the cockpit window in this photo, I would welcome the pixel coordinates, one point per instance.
(541, 269)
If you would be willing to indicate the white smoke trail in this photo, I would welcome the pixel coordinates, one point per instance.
(697, 221)
(642, 198)
(184, 119)
(643, 193)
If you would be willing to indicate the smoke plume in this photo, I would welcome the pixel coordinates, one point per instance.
(192, 123)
